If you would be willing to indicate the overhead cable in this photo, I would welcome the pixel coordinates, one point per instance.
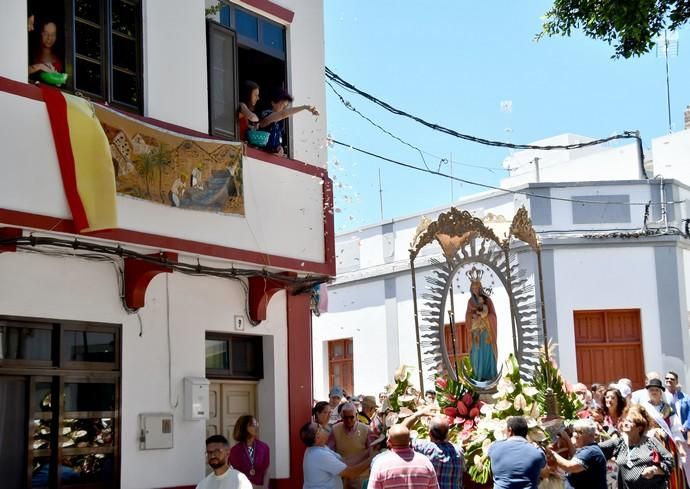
(493, 187)
(487, 142)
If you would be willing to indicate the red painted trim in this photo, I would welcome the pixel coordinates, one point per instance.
(328, 226)
(9, 233)
(138, 275)
(300, 391)
(260, 292)
(272, 8)
(20, 88)
(59, 125)
(34, 92)
(67, 226)
(291, 164)
(47, 223)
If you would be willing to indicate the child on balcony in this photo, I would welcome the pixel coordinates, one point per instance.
(272, 119)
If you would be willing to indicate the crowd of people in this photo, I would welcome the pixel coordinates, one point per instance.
(622, 439)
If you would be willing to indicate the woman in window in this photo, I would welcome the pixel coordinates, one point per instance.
(250, 455)
(44, 57)
(248, 100)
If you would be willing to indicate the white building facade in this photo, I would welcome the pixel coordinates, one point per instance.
(615, 281)
(112, 345)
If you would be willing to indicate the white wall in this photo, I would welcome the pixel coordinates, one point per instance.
(671, 156)
(175, 72)
(606, 278)
(283, 208)
(72, 289)
(14, 60)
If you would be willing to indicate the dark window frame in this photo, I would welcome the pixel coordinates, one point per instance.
(57, 374)
(229, 373)
(227, 20)
(107, 68)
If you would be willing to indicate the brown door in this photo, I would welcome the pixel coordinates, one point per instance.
(608, 346)
(340, 368)
(227, 402)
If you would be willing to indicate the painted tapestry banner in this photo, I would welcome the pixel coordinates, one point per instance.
(173, 169)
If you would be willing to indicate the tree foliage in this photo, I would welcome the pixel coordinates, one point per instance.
(631, 26)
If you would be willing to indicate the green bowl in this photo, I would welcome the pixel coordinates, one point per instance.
(258, 138)
(53, 78)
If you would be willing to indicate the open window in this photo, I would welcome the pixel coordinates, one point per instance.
(97, 43)
(260, 55)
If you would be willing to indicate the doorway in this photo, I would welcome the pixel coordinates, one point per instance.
(228, 400)
(608, 346)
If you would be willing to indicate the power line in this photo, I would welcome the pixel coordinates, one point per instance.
(493, 187)
(487, 142)
(348, 105)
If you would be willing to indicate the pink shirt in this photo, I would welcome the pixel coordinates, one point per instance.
(402, 468)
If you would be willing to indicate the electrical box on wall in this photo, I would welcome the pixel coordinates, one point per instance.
(195, 398)
(155, 431)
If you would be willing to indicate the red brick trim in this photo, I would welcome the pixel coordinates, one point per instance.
(272, 8)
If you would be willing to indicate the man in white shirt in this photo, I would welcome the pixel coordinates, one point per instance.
(223, 476)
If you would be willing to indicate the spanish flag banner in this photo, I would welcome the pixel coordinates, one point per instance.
(83, 153)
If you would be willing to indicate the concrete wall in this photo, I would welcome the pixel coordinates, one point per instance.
(68, 288)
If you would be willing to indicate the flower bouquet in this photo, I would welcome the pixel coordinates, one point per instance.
(461, 406)
(513, 398)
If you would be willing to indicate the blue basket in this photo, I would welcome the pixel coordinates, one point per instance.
(258, 138)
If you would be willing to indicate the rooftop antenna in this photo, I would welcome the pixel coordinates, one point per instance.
(667, 45)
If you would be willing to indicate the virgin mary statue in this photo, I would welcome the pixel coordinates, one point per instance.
(480, 318)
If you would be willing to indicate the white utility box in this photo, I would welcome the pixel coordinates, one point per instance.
(195, 398)
(155, 431)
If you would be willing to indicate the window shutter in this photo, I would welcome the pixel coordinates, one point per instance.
(222, 80)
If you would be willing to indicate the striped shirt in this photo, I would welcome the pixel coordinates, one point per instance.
(447, 460)
(402, 468)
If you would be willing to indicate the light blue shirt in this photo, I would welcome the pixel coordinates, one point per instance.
(322, 467)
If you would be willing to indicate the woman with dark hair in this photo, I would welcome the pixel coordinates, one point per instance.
(44, 57)
(614, 405)
(249, 96)
(321, 412)
(250, 455)
(643, 463)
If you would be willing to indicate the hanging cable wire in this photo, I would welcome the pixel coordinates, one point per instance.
(348, 105)
(487, 142)
(493, 187)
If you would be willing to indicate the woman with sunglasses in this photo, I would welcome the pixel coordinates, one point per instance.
(643, 463)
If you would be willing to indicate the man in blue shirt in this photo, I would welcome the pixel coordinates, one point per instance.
(515, 462)
(587, 468)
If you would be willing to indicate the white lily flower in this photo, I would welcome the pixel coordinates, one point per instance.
(520, 403)
(503, 405)
(530, 391)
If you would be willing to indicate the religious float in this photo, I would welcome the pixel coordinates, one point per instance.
(476, 392)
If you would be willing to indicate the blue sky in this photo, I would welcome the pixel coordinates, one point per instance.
(452, 63)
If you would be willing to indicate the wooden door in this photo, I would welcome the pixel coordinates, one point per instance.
(340, 367)
(227, 402)
(608, 346)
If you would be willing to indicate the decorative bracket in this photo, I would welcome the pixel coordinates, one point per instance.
(261, 289)
(138, 275)
(9, 233)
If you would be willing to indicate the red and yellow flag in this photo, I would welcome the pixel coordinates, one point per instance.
(85, 161)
